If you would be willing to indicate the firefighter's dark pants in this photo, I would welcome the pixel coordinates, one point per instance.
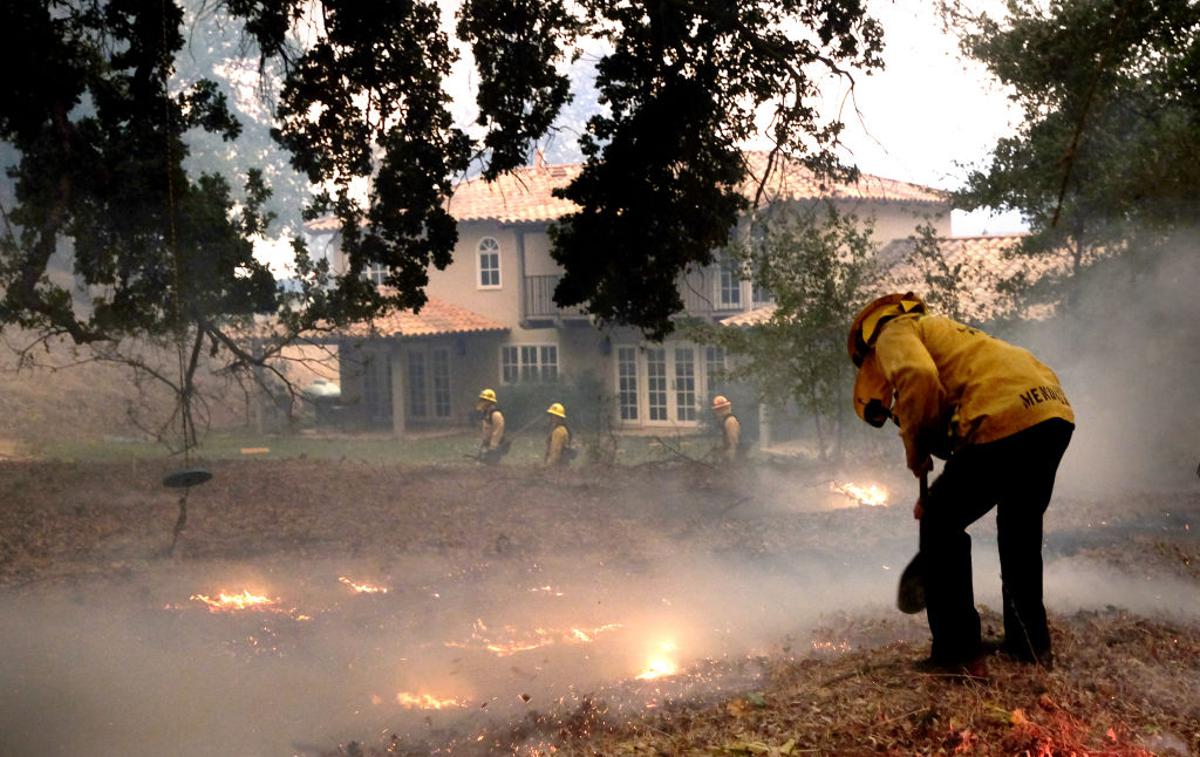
(1016, 474)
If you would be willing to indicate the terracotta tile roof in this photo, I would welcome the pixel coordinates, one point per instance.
(790, 180)
(437, 318)
(987, 262)
(526, 195)
(755, 317)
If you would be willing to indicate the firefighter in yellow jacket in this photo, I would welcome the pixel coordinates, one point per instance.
(1002, 421)
(558, 438)
(731, 428)
(491, 441)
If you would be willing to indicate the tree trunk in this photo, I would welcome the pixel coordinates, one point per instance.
(814, 406)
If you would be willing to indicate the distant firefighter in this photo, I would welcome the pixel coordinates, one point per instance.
(730, 427)
(1003, 422)
(558, 437)
(492, 444)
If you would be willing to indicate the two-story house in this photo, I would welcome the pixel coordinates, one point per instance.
(491, 320)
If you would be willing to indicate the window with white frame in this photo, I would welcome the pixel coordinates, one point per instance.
(729, 284)
(417, 406)
(377, 386)
(656, 383)
(685, 384)
(627, 383)
(549, 363)
(510, 365)
(441, 382)
(489, 263)
(714, 367)
(529, 363)
(376, 273)
(664, 383)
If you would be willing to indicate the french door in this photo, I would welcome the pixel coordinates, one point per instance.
(428, 384)
(658, 385)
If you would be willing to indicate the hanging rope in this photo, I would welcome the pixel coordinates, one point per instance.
(185, 415)
(186, 478)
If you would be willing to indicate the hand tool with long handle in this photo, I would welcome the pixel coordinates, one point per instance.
(910, 597)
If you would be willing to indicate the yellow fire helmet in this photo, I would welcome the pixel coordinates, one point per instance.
(866, 325)
(872, 393)
(557, 410)
(488, 395)
(720, 402)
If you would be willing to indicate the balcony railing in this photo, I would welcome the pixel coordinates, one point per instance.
(699, 299)
(539, 299)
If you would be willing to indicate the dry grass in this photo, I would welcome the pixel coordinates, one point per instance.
(1122, 685)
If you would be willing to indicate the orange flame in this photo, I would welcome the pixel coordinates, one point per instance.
(245, 600)
(426, 702)
(660, 664)
(363, 588)
(535, 639)
(233, 602)
(871, 495)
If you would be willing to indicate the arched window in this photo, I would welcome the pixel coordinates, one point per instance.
(489, 263)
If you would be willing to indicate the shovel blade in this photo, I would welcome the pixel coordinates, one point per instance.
(910, 597)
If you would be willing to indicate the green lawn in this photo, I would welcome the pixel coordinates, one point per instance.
(527, 448)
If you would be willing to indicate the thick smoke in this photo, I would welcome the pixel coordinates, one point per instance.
(128, 665)
(1128, 353)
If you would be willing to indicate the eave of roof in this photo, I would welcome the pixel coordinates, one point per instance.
(755, 317)
(437, 318)
(526, 195)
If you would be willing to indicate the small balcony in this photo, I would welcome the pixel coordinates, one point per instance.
(539, 300)
(700, 295)
(702, 298)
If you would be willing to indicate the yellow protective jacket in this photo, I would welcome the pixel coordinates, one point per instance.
(556, 442)
(731, 437)
(955, 385)
(492, 429)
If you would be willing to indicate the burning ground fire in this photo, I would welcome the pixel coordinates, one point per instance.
(225, 602)
(363, 588)
(233, 602)
(411, 701)
(538, 638)
(871, 495)
(661, 663)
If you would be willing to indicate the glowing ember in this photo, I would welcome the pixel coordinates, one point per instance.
(224, 602)
(363, 588)
(517, 642)
(426, 702)
(871, 495)
(831, 646)
(660, 664)
(233, 602)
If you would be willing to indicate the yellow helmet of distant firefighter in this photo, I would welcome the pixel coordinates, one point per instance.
(488, 395)
(557, 410)
(880, 310)
(721, 402)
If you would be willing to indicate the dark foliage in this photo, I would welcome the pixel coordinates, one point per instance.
(1110, 140)
(99, 117)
